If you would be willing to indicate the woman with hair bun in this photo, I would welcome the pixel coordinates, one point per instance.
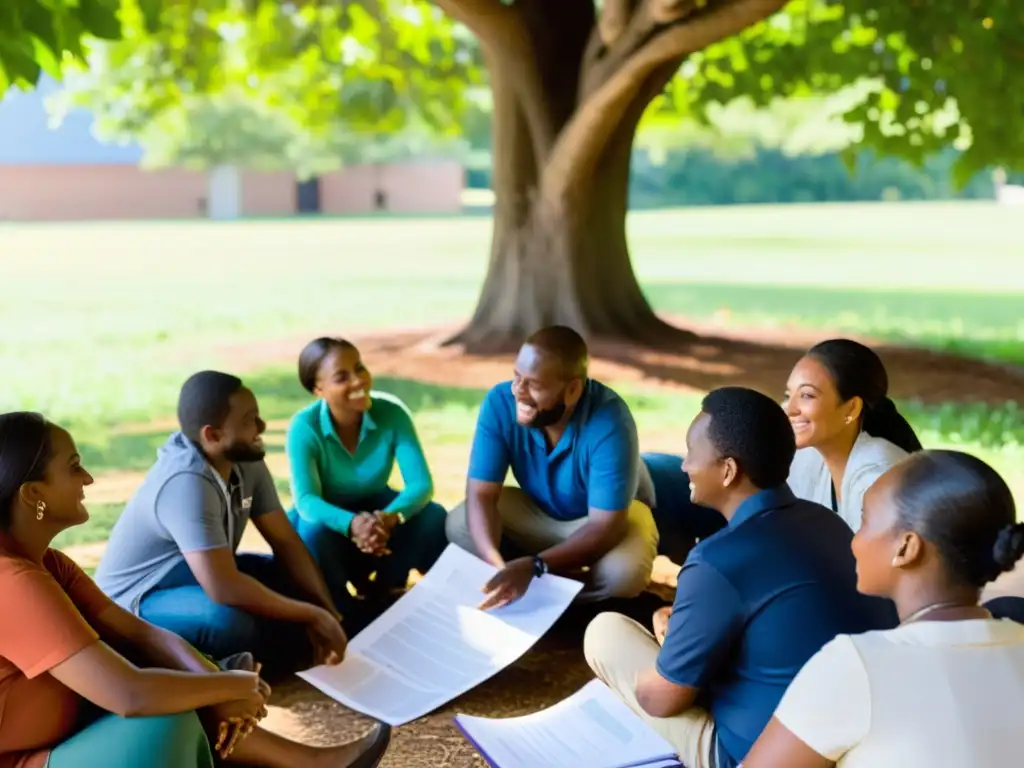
(946, 687)
(848, 431)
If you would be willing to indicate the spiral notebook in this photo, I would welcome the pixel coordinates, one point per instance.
(591, 728)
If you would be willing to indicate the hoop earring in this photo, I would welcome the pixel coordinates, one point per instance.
(40, 509)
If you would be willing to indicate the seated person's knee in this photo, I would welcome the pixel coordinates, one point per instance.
(616, 575)
(602, 634)
(456, 528)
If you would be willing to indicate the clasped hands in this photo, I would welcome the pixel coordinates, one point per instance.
(371, 531)
(236, 719)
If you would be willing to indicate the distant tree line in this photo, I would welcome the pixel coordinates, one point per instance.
(701, 176)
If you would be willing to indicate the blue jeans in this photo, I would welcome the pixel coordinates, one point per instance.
(681, 523)
(415, 544)
(179, 605)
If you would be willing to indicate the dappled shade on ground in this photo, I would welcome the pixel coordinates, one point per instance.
(757, 358)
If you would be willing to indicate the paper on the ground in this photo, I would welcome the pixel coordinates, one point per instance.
(591, 728)
(434, 644)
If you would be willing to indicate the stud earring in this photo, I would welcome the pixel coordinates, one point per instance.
(849, 419)
(40, 509)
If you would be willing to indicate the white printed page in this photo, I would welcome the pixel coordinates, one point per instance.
(434, 644)
(591, 728)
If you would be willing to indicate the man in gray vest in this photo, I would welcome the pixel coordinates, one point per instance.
(172, 560)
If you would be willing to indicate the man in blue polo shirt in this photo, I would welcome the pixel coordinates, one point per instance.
(754, 601)
(572, 446)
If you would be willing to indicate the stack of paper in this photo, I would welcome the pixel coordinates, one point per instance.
(591, 728)
(434, 644)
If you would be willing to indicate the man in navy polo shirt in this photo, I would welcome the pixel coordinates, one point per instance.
(754, 601)
(572, 446)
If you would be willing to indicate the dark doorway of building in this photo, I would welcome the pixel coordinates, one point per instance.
(308, 195)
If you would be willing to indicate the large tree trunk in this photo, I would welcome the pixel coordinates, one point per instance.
(569, 90)
(559, 259)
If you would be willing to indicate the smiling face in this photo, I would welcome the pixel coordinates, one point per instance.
(814, 408)
(709, 473)
(343, 381)
(62, 488)
(240, 437)
(543, 394)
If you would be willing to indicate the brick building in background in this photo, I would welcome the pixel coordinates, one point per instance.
(66, 174)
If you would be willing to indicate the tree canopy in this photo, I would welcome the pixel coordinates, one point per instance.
(570, 81)
(938, 72)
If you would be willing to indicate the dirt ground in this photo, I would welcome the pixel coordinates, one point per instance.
(759, 359)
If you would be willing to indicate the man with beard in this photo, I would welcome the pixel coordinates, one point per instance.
(571, 443)
(172, 560)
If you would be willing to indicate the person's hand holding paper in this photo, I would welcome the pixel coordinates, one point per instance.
(509, 584)
(327, 637)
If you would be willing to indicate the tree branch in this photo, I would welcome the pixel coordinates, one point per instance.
(627, 34)
(579, 145)
(484, 18)
(615, 16)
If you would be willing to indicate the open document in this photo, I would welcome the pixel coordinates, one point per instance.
(434, 644)
(591, 728)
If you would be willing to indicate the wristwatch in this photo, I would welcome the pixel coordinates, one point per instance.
(539, 566)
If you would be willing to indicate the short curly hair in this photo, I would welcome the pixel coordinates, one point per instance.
(754, 431)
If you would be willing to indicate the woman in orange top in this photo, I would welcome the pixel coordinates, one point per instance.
(85, 683)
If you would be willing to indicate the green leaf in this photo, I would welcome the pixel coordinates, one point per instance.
(46, 58)
(151, 13)
(17, 59)
(99, 18)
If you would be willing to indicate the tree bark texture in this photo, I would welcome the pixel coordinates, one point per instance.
(569, 91)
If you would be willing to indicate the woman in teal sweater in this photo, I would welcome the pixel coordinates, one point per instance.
(342, 450)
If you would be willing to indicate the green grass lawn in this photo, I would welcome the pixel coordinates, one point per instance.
(107, 318)
(100, 323)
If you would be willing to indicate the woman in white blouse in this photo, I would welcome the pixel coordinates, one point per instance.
(945, 689)
(848, 431)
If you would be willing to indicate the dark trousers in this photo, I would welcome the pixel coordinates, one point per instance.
(681, 523)
(1006, 608)
(415, 544)
(180, 605)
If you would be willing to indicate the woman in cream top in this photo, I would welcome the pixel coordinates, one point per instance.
(945, 689)
(848, 432)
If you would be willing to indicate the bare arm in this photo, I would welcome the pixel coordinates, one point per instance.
(601, 533)
(778, 746)
(111, 682)
(147, 644)
(218, 575)
(662, 698)
(291, 552)
(484, 520)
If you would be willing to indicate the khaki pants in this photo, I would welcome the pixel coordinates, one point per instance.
(619, 650)
(623, 572)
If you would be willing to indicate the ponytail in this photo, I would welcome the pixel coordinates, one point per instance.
(884, 421)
